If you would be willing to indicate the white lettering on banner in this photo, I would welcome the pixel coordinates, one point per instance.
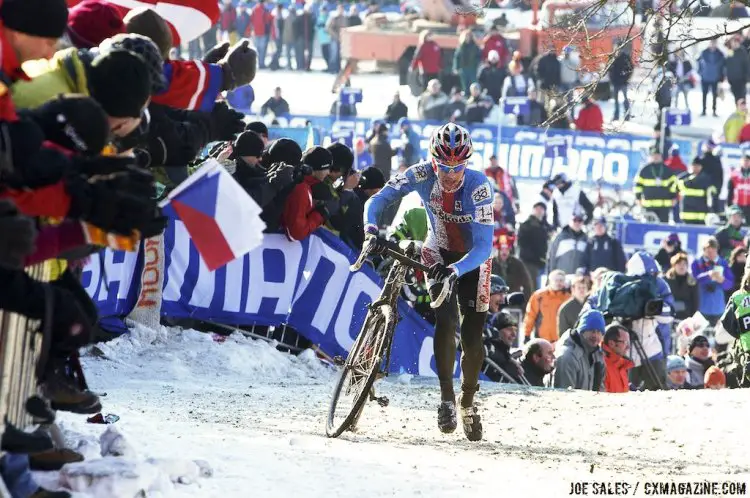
(232, 282)
(358, 284)
(590, 142)
(178, 263)
(260, 288)
(332, 291)
(93, 267)
(426, 353)
(117, 272)
(205, 286)
(652, 239)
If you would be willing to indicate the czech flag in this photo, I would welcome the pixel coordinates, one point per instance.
(222, 219)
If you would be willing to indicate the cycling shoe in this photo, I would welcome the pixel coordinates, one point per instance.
(447, 417)
(471, 421)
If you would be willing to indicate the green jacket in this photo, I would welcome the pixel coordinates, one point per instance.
(64, 74)
(414, 226)
(467, 57)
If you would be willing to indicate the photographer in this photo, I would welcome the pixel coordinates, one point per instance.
(305, 208)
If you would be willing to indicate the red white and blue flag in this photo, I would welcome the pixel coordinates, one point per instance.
(222, 219)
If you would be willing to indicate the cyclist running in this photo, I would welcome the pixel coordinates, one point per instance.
(457, 250)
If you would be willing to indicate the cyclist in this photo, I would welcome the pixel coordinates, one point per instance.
(457, 250)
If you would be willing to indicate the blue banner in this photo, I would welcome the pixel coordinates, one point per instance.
(649, 236)
(305, 284)
(613, 159)
(300, 135)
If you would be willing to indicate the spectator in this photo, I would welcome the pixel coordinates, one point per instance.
(373, 8)
(411, 142)
(698, 361)
(505, 218)
(79, 30)
(502, 180)
(570, 65)
(307, 29)
(730, 236)
(696, 193)
(546, 69)
(428, 59)
(546, 302)
(227, 20)
(370, 182)
(711, 161)
(590, 116)
(324, 38)
(738, 189)
(275, 105)
(353, 18)
(364, 158)
(343, 109)
(243, 26)
(579, 363)
(396, 110)
(466, 60)
(336, 22)
(478, 106)
(714, 378)
(682, 69)
(538, 361)
(516, 84)
(615, 348)
(292, 40)
(568, 199)
(304, 212)
(261, 20)
(455, 110)
(737, 264)
(492, 76)
(498, 291)
(735, 122)
(568, 249)
(260, 128)
(670, 246)
(674, 161)
(737, 69)
(382, 153)
(567, 315)
(558, 115)
(533, 240)
(432, 102)
(495, 42)
(663, 90)
(712, 69)
(511, 269)
(737, 11)
(604, 251)
(676, 373)
(714, 277)
(502, 336)
(653, 186)
(684, 287)
(537, 115)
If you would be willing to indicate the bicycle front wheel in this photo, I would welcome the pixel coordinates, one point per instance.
(360, 371)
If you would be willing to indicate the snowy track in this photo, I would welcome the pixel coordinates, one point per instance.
(257, 417)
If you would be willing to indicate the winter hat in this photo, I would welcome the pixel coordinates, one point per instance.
(317, 158)
(714, 377)
(283, 150)
(697, 161)
(146, 22)
(602, 220)
(403, 122)
(674, 150)
(258, 127)
(734, 209)
(502, 320)
(371, 178)
(498, 285)
(673, 237)
(697, 340)
(493, 56)
(343, 158)
(540, 203)
(675, 362)
(248, 143)
(93, 21)
(74, 122)
(144, 48)
(591, 320)
(641, 263)
(120, 82)
(42, 18)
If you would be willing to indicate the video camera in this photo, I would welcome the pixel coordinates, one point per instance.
(630, 297)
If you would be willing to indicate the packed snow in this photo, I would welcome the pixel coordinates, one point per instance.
(203, 416)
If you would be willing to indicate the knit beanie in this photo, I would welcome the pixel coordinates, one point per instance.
(675, 362)
(371, 178)
(42, 18)
(283, 150)
(144, 48)
(74, 122)
(248, 143)
(147, 22)
(317, 158)
(714, 377)
(591, 320)
(343, 158)
(698, 339)
(259, 127)
(93, 21)
(503, 319)
(120, 82)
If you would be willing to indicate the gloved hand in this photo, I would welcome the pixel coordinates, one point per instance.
(18, 236)
(101, 165)
(321, 192)
(440, 272)
(320, 206)
(137, 137)
(280, 176)
(225, 123)
(214, 55)
(239, 65)
(379, 244)
(71, 328)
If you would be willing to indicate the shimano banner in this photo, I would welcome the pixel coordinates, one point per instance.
(612, 158)
(305, 284)
(649, 236)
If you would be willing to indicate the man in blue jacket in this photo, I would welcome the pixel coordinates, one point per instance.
(411, 142)
(714, 277)
(712, 69)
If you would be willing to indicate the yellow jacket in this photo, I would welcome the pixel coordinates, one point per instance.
(63, 74)
(733, 127)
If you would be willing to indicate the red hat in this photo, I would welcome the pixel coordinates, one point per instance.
(93, 21)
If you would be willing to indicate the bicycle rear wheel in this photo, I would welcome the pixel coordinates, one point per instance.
(360, 371)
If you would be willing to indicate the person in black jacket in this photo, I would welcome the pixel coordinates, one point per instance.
(492, 75)
(603, 250)
(711, 161)
(533, 241)
(684, 287)
(682, 69)
(287, 152)
(396, 110)
(261, 184)
(499, 337)
(276, 104)
(670, 246)
(546, 70)
(738, 69)
(538, 361)
(620, 73)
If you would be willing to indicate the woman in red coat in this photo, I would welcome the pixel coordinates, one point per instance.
(428, 58)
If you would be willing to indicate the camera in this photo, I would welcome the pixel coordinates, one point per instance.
(653, 307)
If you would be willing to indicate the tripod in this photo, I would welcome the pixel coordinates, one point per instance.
(653, 375)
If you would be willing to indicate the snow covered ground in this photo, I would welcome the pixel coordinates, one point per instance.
(254, 418)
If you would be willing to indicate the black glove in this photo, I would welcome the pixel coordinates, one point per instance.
(526, 339)
(71, 327)
(439, 272)
(136, 138)
(214, 55)
(225, 123)
(239, 65)
(379, 244)
(280, 176)
(18, 236)
(320, 206)
(101, 165)
(321, 192)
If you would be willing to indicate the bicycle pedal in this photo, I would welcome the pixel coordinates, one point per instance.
(339, 361)
(383, 401)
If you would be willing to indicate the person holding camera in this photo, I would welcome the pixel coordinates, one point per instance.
(579, 362)
(305, 209)
(669, 248)
(714, 277)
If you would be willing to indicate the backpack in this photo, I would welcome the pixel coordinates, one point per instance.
(626, 296)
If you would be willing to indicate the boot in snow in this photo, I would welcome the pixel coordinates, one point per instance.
(471, 421)
(53, 459)
(447, 417)
(65, 396)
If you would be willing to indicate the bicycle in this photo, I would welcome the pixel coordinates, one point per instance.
(370, 355)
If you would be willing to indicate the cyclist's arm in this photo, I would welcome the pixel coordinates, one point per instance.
(482, 229)
(396, 188)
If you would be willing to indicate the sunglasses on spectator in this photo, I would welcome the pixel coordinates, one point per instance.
(447, 168)
(700, 345)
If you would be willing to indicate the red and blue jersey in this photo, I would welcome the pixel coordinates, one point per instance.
(193, 85)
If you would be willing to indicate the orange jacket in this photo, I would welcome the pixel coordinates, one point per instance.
(541, 312)
(616, 377)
